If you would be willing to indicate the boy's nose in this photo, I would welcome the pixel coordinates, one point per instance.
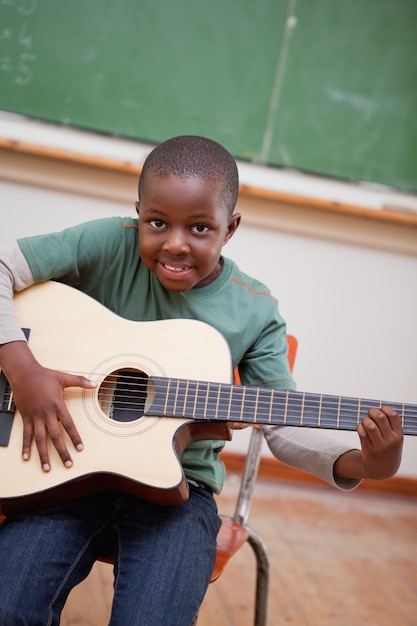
(176, 242)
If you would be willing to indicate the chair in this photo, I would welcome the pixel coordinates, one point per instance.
(235, 531)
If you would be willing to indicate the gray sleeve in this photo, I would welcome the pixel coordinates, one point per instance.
(309, 450)
(15, 275)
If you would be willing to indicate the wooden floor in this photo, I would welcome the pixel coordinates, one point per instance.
(336, 560)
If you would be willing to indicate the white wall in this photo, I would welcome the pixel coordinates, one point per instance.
(353, 309)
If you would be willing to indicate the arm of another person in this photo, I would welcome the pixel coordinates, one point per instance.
(37, 391)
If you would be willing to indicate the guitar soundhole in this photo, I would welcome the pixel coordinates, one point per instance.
(122, 395)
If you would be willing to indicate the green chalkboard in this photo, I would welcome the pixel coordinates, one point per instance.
(325, 86)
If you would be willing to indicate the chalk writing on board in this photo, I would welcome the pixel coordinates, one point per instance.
(17, 55)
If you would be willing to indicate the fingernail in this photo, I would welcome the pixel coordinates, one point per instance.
(25, 456)
(46, 467)
(79, 447)
(68, 463)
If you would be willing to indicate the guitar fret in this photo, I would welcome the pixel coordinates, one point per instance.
(176, 397)
(171, 397)
(187, 410)
(232, 388)
(204, 400)
(255, 413)
(286, 407)
(243, 403)
(271, 405)
(167, 396)
(219, 390)
(184, 409)
(195, 397)
(358, 419)
(213, 401)
(302, 409)
(207, 397)
(223, 402)
(338, 412)
(320, 410)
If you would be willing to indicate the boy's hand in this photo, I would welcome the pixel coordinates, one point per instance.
(38, 395)
(44, 411)
(381, 437)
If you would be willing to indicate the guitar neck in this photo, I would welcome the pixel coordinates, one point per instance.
(210, 401)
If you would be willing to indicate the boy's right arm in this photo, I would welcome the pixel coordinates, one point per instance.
(37, 391)
(15, 275)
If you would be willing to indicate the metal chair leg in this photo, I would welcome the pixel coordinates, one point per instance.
(262, 578)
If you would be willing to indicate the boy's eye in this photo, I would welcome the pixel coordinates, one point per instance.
(200, 228)
(157, 223)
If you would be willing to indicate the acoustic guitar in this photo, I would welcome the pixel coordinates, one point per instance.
(160, 386)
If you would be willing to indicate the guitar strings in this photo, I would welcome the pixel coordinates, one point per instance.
(290, 402)
(226, 388)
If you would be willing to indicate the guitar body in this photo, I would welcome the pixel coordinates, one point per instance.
(70, 331)
(160, 386)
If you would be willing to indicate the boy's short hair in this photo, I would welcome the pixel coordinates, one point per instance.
(191, 156)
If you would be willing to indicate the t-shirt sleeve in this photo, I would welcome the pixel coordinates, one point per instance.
(67, 254)
(265, 362)
(15, 275)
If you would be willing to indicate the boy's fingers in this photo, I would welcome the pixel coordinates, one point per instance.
(54, 433)
(72, 380)
(27, 440)
(394, 419)
(386, 421)
(41, 444)
(71, 429)
(51, 429)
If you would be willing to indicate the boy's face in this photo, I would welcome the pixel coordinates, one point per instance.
(182, 230)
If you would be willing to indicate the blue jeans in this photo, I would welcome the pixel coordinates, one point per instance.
(163, 558)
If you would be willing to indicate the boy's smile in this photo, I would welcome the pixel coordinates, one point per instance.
(183, 227)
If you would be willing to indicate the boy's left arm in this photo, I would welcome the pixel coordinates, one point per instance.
(381, 437)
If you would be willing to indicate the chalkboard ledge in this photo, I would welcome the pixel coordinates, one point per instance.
(33, 138)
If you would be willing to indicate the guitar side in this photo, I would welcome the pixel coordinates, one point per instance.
(71, 332)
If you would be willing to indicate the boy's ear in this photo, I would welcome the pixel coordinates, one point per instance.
(232, 227)
(137, 207)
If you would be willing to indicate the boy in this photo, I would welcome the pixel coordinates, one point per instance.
(165, 264)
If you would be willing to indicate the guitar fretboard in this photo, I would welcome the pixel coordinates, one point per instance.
(251, 405)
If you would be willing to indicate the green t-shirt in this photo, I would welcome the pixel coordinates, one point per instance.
(101, 258)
